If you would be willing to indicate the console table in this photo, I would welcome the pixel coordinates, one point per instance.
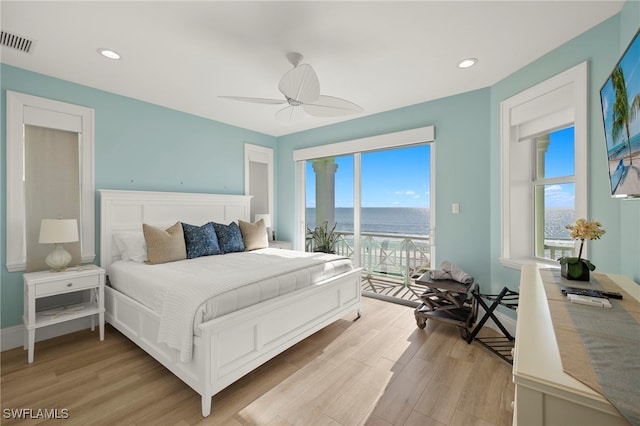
(544, 393)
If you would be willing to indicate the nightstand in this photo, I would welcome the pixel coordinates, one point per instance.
(280, 244)
(89, 278)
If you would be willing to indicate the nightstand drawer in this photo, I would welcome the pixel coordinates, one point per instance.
(67, 285)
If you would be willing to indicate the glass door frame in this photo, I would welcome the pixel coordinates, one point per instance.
(356, 147)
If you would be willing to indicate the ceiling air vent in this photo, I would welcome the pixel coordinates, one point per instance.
(16, 42)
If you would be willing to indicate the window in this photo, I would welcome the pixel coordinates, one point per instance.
(25, 115)
(387, 232)
(544, 162)
(553, 187)
(329, 192)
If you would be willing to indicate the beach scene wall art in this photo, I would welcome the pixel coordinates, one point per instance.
(620, 98)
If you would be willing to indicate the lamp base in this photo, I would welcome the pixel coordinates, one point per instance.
(58, 259)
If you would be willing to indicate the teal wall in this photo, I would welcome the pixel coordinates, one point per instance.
(462, 170)
(468, 159)
(619, 249)
(146, 147)
(137, 146)
(629, 210)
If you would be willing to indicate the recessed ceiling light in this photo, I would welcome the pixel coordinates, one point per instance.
(108, 53)
(466, 63)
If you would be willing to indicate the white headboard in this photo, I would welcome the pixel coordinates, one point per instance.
(128, 210)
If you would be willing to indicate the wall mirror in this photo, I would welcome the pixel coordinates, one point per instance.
(49, 175)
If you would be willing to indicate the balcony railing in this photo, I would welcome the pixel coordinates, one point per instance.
(555, 249)
(399, 257)
(390, 262)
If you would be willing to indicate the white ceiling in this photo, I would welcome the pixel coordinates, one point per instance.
(380, 55)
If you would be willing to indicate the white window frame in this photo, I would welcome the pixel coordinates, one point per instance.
(24, 110)
(551, 105)
(355, 147)
(542, 182)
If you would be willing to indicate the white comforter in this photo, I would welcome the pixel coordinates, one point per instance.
(187, 287)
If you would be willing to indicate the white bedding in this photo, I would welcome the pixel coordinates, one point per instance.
(190, 292)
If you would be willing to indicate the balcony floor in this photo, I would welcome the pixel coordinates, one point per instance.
(391, 289)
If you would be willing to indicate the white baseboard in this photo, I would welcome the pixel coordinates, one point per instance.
(13, 337)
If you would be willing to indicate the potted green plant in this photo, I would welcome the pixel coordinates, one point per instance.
(577, 268)
(322, 239)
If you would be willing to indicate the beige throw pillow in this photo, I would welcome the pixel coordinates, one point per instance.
(254, 235)
(164, 245)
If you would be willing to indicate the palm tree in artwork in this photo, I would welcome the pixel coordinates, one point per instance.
(623, 112)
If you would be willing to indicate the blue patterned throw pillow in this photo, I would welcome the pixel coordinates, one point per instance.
(229, 237)
(200, 240)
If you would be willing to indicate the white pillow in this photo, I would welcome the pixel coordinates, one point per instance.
(131, 245)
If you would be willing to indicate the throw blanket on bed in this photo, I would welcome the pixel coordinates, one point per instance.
(183, 298)
(449, 271)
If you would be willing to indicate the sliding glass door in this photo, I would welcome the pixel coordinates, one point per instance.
(395, 203)
(329, 200)
(379, 203)
(329, 192)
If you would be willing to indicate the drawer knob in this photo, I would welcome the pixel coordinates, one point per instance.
(69, 284)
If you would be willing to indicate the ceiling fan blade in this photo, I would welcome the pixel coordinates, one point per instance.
(288, 115)
(330, 106)
(300, 84)
(256, 100)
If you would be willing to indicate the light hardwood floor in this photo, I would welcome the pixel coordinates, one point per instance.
(378, 370)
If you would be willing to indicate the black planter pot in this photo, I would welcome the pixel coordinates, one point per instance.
(584, 276)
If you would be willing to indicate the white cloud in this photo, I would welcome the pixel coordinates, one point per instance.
(557, 196)
(552, 188)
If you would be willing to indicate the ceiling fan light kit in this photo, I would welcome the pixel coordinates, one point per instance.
(301, 89)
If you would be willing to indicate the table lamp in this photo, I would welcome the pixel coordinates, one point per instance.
(58, 231)
(267, 223)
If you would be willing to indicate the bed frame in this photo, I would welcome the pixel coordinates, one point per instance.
(233, 345)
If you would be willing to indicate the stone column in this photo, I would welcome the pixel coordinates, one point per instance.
(542, 143)
(325, 170)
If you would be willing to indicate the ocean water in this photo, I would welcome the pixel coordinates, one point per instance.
(555, 222)
(380, 220)
(622, 150)
(415, 221)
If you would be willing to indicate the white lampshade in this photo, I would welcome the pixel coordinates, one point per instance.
(266, 218)
(57, 231)
(53, 231)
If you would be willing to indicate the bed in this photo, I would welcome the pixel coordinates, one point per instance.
(225, 345)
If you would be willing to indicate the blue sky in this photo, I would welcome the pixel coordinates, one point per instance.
(401, 177)
(394, 178)
(560, 148)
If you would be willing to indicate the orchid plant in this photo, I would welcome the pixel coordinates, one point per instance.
(582, 230)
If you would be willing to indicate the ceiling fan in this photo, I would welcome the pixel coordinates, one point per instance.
(301, 89)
